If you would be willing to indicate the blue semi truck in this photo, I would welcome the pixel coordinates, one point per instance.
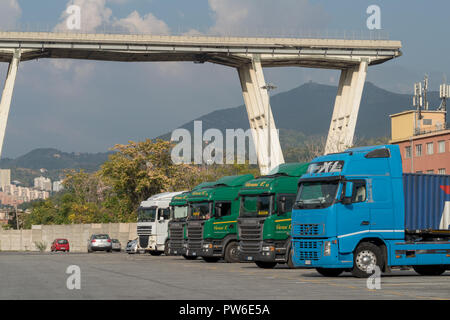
(356, 211)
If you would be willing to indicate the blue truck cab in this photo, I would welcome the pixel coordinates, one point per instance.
(357, 210)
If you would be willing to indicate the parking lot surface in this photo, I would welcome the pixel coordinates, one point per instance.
(122, 276)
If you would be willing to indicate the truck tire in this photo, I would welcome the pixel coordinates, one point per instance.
(155, 253)
(166, 248)
(329, 272)
(189, 257)
(430, 270)
(289, 261)
(366, 256)
(266, 264)
(211, 259)
(231, 252)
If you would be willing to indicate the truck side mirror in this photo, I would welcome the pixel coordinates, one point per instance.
(218, 210)
(282, 205)
(347, 199)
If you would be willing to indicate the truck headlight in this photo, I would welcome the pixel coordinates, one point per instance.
(268, 248)
(326, 248)
(207, 246)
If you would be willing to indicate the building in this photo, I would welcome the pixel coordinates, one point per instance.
(43, 183)
(424, 143)
(57, 186)
(5, 177)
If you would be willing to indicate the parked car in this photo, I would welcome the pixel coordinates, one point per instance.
(60, 245)
(132, 247)
(116, 246)
(99, 242)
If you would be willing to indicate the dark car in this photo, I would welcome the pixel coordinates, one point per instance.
(60, 245)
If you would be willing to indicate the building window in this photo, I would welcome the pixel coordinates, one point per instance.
(430, 148)
(407, 152)
(441, 146)
(430, 171)
(441, 171)
(418, 150)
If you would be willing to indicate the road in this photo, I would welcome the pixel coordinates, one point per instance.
(123, 276)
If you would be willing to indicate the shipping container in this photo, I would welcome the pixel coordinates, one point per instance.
(427, 201)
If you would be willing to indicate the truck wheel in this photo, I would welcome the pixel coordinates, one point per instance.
(366, 257)
(266, 264)
(232, 253)
(429, 270)
(166, 248)
(329, 272)
(289, 262)
(189, 257)
(155, 253)
(210, 259)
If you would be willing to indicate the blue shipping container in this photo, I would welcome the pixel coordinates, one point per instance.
(427, 201)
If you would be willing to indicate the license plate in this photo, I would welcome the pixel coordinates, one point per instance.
(175, 252)
(307, 261)
(194, 253)
(249, 258)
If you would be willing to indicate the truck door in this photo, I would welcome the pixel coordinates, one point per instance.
(353, 215)
(162, 225)
(224, 222)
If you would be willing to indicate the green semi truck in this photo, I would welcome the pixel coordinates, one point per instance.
(264, 221)
(212, 220)
(177, 225)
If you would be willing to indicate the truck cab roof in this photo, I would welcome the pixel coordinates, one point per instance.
(160, 199)
(365, 161)
(278, 180)
(224, 188)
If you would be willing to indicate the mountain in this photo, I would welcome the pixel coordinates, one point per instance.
(53, 159)
(308, 109)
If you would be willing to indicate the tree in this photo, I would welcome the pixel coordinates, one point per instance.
(141, 169)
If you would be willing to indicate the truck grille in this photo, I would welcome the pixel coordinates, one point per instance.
(307, 230)
(250, 237)
(176, 235)
(307, 250)
(144, 230)
(195, 235)
(143, 241)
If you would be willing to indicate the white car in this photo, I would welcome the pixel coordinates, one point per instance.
(132, 247)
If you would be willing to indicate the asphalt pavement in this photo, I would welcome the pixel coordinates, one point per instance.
(103, 275)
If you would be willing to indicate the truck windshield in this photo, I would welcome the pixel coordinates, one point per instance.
(317, 194)
(200, 210)
(256, 206)
(147, 214)
(179, 212)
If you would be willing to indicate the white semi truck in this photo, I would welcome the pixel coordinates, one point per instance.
(153, 220)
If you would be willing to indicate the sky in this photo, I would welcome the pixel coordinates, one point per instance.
(88, 106)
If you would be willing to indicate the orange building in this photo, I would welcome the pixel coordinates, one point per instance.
(424, 143)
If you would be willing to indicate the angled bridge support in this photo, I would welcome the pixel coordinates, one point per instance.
(5, 102)
(262, 124)
(346, 107)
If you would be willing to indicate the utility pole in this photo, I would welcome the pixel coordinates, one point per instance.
(269, 87)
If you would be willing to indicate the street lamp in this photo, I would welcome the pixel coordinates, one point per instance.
(269, 87)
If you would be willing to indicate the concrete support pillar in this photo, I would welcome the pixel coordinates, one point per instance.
(260, 116)
(346, 107)
(5, 102)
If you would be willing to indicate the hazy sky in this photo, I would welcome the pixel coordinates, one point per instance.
(86, 106)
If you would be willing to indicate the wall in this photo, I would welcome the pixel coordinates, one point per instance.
(426, 161)
(77, 234)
